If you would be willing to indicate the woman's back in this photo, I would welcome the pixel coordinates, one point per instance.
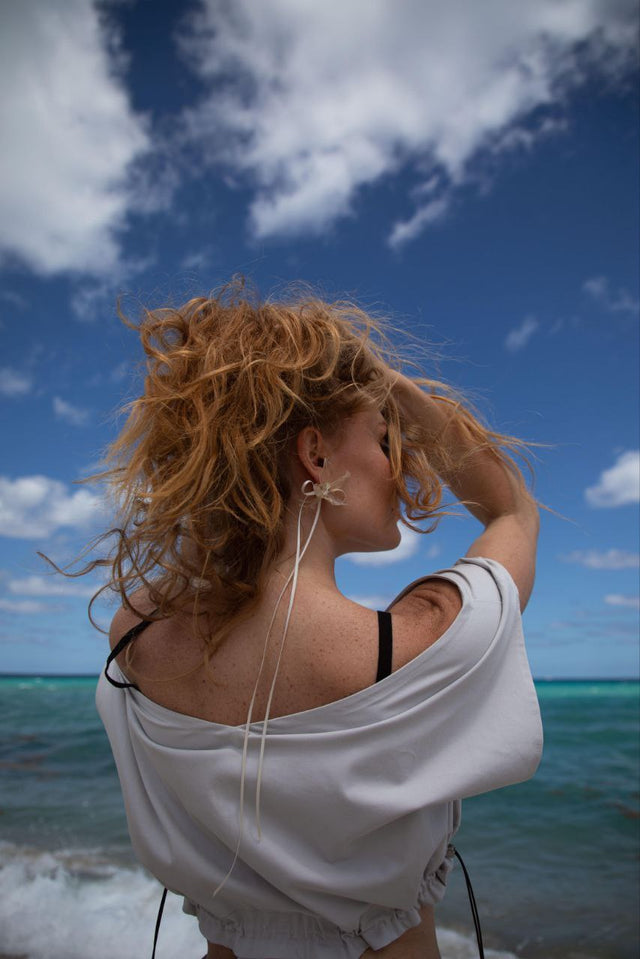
(344, 788)
(331, 651)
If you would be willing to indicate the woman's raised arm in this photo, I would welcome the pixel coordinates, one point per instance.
(491, 490)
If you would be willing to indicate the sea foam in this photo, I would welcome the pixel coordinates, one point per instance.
(70, 905)
(73, 904)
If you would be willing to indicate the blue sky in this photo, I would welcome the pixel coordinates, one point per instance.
(469, 169)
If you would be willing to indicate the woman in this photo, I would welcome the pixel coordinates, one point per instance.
(292, 762)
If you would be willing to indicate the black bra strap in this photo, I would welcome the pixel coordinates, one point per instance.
(385, 645)
(117, 649)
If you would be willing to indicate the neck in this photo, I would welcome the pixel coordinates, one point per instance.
(318, 562)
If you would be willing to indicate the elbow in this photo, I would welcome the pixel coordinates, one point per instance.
(529, 514)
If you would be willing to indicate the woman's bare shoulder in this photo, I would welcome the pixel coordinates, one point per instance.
(429, 595)
(350, 652)
(124, 619)
(161, 656)
(422, 615)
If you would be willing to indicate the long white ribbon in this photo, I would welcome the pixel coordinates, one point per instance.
(331, 493)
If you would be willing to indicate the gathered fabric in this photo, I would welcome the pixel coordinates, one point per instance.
(357, 800)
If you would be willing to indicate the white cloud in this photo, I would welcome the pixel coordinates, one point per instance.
(96, 297)
(69, 138)
(34, 507)
(21, 639)
(43, 586)
(91, 300)
(119, 372)
(619, 485)
(309, 101)
(13, 298)
(13, 383)
(372, 602)
(25, 606)
(407, 547)
(621, 302)
(615, 599)
(522, 137)
(69, 413)
(406, 230)
(197, 260)
(596, 287)
(603, 559)
(116, 374)
(518, 338)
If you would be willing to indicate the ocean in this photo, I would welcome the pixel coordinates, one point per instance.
(554, 862)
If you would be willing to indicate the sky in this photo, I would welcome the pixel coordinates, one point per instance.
(469, 170)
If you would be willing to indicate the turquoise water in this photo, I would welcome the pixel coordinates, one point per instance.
(554, 861)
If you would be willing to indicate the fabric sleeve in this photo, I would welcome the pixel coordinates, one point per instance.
(479, 705)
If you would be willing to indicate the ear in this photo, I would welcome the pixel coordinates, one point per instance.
(312, 451)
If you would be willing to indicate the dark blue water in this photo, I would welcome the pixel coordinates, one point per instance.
(554, 862)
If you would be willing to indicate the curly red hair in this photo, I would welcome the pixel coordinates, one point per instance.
(199, 471)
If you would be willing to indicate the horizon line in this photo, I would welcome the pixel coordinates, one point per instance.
(536, 679)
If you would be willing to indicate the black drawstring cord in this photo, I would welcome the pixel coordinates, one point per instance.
(158, 921)
(472, 902)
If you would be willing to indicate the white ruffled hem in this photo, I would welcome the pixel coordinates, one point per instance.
(277, 935)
